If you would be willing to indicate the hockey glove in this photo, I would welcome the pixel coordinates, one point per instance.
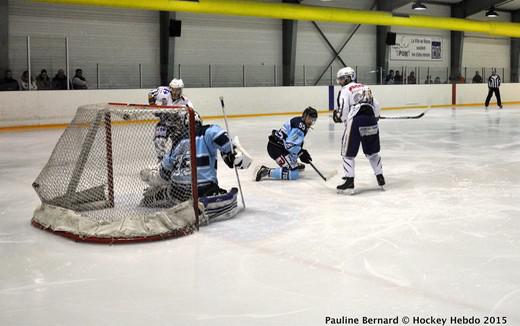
(305, 157)
(336, 117)
(229, 159)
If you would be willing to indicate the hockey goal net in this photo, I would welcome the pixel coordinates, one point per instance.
(91, 188)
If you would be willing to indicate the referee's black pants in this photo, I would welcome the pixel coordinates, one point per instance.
(497, 94)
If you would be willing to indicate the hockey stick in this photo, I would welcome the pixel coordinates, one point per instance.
(406, 117)
(325, 178)
(232, 149)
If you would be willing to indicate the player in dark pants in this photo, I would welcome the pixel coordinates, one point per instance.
(359, 111)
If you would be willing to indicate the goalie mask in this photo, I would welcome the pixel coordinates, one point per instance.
(309, 116)
(176, 86)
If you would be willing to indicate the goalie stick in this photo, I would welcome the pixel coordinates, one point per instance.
(229, 135)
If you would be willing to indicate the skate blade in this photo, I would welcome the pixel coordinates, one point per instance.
(348, 192)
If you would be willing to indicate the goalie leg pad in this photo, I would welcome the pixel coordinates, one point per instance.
(158, 197)
(221, 207)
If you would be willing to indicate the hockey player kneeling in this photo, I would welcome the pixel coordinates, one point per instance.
(170, 183)
(285, 147)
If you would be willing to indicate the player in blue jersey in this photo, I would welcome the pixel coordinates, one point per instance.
(285, 146)
(170, 183)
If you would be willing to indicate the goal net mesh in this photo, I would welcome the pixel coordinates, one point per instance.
(91, 188)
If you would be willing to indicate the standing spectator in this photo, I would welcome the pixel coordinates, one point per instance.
(390, 77)
(43, 81)
(25, 85)
(494, 85)
(477, 79)
(398, 79)
(437, 80)
(78, 81)
(411, 78)
(460, 79)
(428, 80)
(9, 83)
(60, 80)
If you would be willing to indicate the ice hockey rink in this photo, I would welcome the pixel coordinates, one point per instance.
(441, 240)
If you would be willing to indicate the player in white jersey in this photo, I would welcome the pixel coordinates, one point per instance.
(359, 111)
(168, 123)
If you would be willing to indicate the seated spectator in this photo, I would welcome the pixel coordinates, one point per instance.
(43, 81)
(477, 79)
(24, 82)
(390, 77)
(78, 81)
(398, 79)
(9, 83)
(437, 80)
(60, 80)
(428, 80)
(411, 78)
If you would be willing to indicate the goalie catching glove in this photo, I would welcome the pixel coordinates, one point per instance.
(239, 157)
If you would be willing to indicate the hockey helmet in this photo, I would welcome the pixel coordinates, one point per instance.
(310, 112)
(345, 73)
(176, 86)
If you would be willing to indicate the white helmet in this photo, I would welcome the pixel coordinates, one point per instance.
(176, 86)
(343, 73)
(176, 83)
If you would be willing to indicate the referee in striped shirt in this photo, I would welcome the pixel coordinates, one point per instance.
(493, 85)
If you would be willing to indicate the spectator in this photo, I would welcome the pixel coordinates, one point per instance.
(43, 81)
(390, 77)
(411, 78)
(398, 79)
(460, 79)
(25, 85)
(9, 83)
(429, 80)
(60, 80)
(78, 81)
(477, 79)
(437, 80)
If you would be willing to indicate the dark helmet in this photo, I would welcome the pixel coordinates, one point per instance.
(310, 112)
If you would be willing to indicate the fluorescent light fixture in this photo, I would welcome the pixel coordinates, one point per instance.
(491, 12)
(418, 5)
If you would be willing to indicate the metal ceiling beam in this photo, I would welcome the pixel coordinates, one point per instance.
(471, 7)
(515, 50)
(289, 33)
(305, 12)
(4, 37)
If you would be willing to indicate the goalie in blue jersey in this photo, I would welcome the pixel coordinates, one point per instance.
(170, 182)
(285, 146)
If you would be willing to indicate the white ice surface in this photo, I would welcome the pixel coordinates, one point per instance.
(442, 240)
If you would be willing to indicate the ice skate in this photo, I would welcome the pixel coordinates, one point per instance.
(381, 181)
(347, 187)
(261, 172)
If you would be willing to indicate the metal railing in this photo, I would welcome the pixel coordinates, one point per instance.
(54, 54)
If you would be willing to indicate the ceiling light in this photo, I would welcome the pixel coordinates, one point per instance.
(418, 6)
(491, 12)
